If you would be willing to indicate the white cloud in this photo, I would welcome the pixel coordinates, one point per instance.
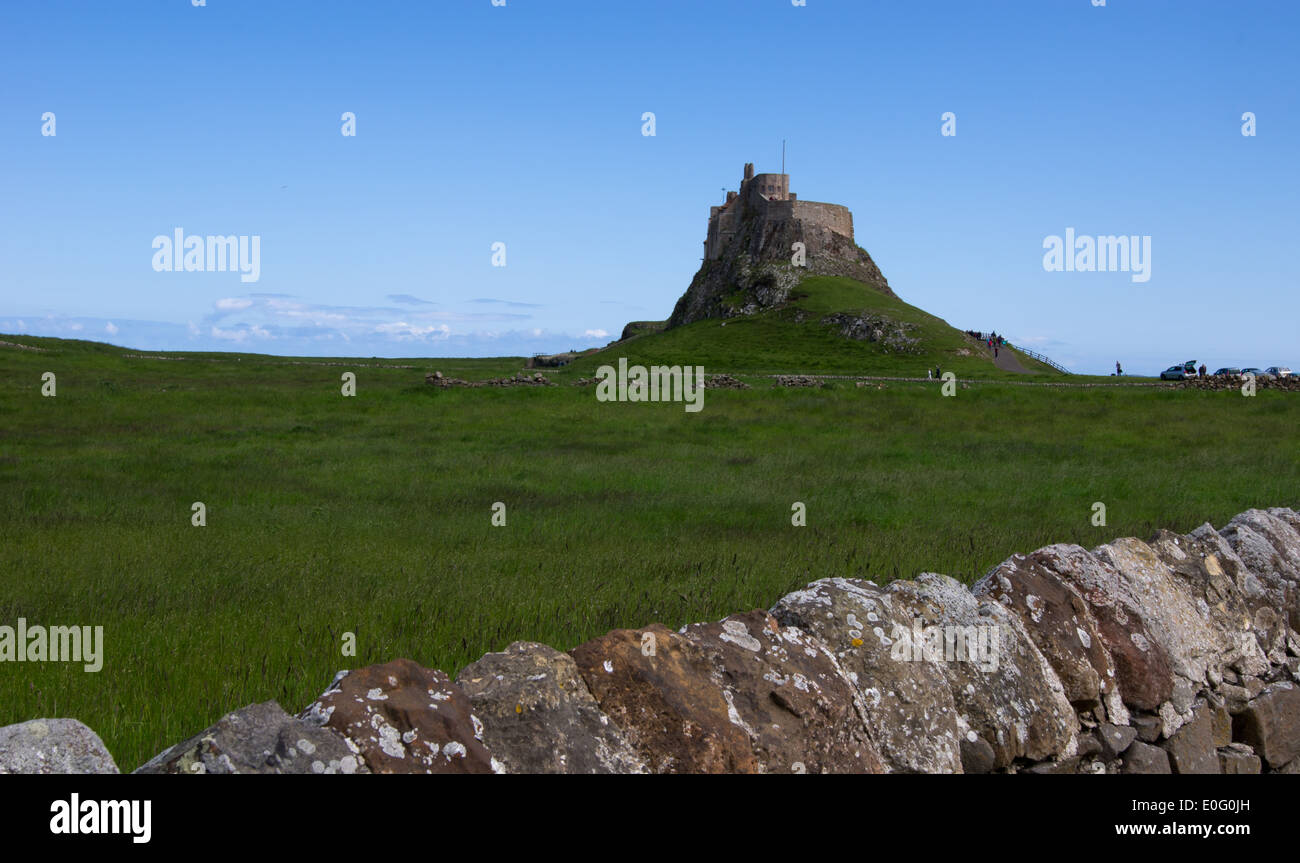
(596, 334)
(233, 304)
(240, 335)
(403, 331)
(110, 328)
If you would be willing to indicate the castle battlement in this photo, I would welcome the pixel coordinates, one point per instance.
(767, 197)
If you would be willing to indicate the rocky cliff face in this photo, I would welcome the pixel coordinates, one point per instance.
(755, 271)
(1175, 655)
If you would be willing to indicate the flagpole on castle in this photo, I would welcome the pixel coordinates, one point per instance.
(783, 155)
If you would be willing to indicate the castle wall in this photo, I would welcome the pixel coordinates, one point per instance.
(832, 216)
(779, 211)
(722, 225)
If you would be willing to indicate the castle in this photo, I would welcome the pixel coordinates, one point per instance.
(767, 197)
(761, 242)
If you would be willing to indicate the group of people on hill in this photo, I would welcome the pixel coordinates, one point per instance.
(992, 341)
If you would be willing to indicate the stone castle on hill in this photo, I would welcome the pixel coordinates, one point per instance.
(768, 198)
(751, 259)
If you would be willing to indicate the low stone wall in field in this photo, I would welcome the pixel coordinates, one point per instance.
(1226, 382)
(1179, 654)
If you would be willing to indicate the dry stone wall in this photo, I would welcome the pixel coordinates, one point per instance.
(1175, 655)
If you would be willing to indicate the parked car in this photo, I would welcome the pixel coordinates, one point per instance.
(1175, 373)
(1259, 373)
(1189, 368)
(1227, 373)
(1278, 371)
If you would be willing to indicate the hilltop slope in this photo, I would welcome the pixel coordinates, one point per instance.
(822, 324)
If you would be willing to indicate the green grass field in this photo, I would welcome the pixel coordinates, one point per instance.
(372, 514)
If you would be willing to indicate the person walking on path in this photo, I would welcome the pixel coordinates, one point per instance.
(1118, 369)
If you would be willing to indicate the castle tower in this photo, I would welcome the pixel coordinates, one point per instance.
(772, 187)
(768, 198)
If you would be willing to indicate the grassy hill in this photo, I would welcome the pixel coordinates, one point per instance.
(794, 338)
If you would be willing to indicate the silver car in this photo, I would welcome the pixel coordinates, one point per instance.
(1278, 371)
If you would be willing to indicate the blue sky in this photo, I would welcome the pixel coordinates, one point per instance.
(521, 124)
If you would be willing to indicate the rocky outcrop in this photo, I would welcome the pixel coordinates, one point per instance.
(657, 686)
(1173, 619)
(724, 382)
(1142, 671)
(1270, 724)
(1059, 622)
(1145, 758)
(1268, 544)
(1238, 758)
(1009, 700)
(798, 381)
(755, 272)
(895, 336)
(786, 690)
(260, 738)
(518, 379)
(1174, 655)
(906, 702)
(539, 716)
(53, 746)
(1191, 749)
(401, 718)
(1208, 575)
